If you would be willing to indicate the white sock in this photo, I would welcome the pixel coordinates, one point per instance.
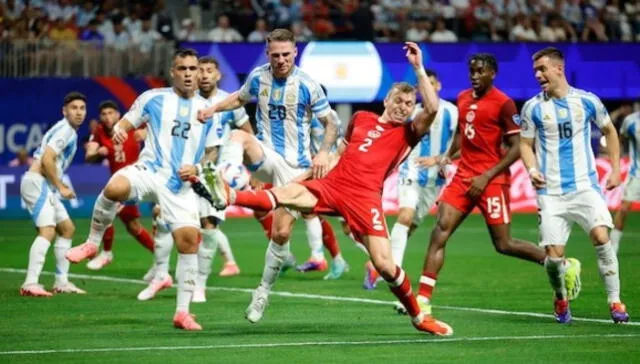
(162, 251)
(60, 247)
(608, 266)
(223, 245)
(37, 255)
(104, 211)
(556, 270)
(206, 252)
(274, 258)
(232, 152)
(186, 274)
(314, 236)
(399, 235)
(616, 235)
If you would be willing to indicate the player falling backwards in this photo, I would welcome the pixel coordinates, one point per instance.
(373, 147)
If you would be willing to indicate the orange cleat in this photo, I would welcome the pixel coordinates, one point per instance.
(34, 290)
(229, 269)
(81, 252)
(432, 326)
(186, 321)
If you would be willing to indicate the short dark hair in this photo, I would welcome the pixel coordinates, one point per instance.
(551, 52)
(487, 58)
(281, 35)
(209, 59)
(73, 96)
(185, 52)
(108, 104)
(431, 73)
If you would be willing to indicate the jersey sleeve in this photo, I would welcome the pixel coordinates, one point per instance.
(626, 125)
(136, 114)
(319, 103)
(527, 126)
(240, 117)
(509, 118)
(454, 118)
(213, 140)
(601, 117)
(251, 85)
(61, 138)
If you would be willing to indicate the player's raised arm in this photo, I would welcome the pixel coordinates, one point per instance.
(233, 101)
(422, 122)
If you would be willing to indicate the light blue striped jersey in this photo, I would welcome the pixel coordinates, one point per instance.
(284, 110)
(63, 139)
(231, 119)
(631, 130)
(317, 133)
(175, 137)
(562, 132)
(435, 142)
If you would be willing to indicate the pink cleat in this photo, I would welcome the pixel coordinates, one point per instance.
(184, 320)
(82, 252)
(34, 290)
(100, 261)
(154, 287)
(229, 269)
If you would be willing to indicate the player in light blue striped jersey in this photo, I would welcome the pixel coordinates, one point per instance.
(630, 131)
(562, 169)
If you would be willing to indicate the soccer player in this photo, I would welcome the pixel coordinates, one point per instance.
(175, 138)
(373, 146)
(286, 99)
(563, 171)
(119, 156)
(630, 131)
(487, 119)
(38, 190)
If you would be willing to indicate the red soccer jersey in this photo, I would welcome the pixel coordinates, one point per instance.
(120, 155)
(483, 123)
(374, 149)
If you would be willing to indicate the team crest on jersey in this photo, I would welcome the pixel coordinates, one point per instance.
(290, 98)
(60, 143)
(563, 113)
(516, 119)
(276, 95)
(373, 134)
(470, 116)
(264, 93)
(184, 111)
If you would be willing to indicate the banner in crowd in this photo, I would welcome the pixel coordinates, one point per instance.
(88, 181)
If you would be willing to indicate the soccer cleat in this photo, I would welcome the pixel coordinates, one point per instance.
(428, 324)
(81, 252)
(154, 287)
(34, 290)
(572, 278)
(199, 295)
(186, 321)
(562, 312)
(338, 268)
(102, 260)
(425, 307)
(289, 262)
(229, 269)
(67, 287)
(148, 277)
(313, 265)
(371, 276)
(220, 191)
(259, 302)
(619, 312)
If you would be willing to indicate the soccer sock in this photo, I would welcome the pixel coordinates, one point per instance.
(275, 256)
(427, 284)
(256, 200)
(399, 235)
(162, 251)
(231, 152)
(616, 235)
(206, 252)
(186, 273)
(556, 269)
(144, 238)
(266, 222)
(608, 266)
(37, 254)
(104, 211)
(224, 246)
(400, 285)
(107, 239)
(314, 236)
(60, 247)
(329, 238)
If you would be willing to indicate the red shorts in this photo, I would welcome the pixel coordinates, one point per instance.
(493, 203)
(129, 213)
(362, 212)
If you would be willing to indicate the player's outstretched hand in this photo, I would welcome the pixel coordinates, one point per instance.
(427, 162)
(414, 54)
(537, 180)
(442, 165)
(613, 181)
(478, 184)
(67, 193)
(206, 114)
(119, 135)
(187, 171)
(320, 164)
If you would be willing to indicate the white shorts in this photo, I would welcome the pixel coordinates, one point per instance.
(43, 204)
(558, 213)
(631, 189)
(205, 209)
(420, 199)
(178, 209)
(275, 169)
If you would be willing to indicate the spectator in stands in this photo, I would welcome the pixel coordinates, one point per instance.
(594, 29)
(132, 22)
(479, 19)
(91, 33)
(417, 31)
(119, 39)
(68, 11)
(12, 9)
(259, 34)
(105, 26)
(189, 33)
(301, 32)
(62, 33)
(523, 31)
(223, 32)
(86, 14)
(362, 20)
(22, 159)
(144, 41)
(632, 11)
(283, 13)
(441, 34)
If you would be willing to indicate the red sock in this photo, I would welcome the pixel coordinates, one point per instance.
(401, 287)
(427, 284)
(266, 221)
(144, 238)
(256, 200)
(107, 239)
(329, 238)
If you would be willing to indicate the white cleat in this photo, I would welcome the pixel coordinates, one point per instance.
(67, 287)
(102, 260)
(259, 302)
(148, 277)
(199, 295)
(154, 287)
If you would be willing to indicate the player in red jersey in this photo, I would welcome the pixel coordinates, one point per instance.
(373, 146)
(119, 155)
(487, 119)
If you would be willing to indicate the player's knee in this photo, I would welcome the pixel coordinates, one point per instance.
(116, 190)
(599, 235)
(67, 230)
(384, 265)
(502, 246)
(281, 235)
(405, 218)
(47, 232)
(441, 231)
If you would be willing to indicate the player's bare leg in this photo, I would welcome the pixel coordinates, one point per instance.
(505, 244)
(186, 239)
(618, 224)
(241, 146)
